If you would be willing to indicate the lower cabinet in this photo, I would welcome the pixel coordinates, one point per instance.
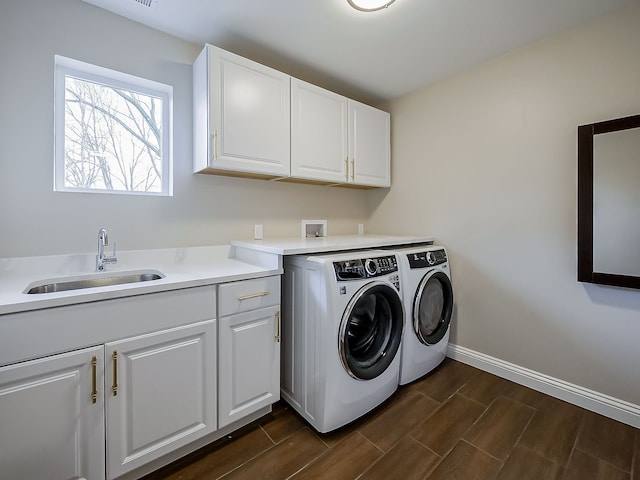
(52, 417)
(248, 347)
(161, 394)
(157, 393)
(250, 352)
(107, 410)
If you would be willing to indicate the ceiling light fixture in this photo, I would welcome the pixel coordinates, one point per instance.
(370, 5)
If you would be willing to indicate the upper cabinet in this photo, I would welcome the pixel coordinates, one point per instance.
(369, 145)
(319, 134)
(253, 121)
(241, 116)
(335, 140)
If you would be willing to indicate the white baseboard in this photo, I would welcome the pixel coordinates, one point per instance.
(606, 405)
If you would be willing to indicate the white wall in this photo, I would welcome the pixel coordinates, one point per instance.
(486, 162)
(204, 209)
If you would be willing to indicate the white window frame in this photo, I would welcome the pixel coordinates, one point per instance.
(92, 73)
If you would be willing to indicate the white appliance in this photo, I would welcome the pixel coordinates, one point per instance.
(342, 325)
(428, 303)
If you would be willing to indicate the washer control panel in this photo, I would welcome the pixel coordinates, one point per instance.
(365, 268)
(426, 259)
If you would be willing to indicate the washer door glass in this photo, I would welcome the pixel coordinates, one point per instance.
(371, 330)
(432, 307)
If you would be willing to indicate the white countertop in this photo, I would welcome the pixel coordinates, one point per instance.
(299, 245)
(182, 267)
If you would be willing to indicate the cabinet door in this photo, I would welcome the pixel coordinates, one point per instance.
(319, 146)
(249, 376)
(161, 394)
(370, 147)
(249, 110)
(52, 417)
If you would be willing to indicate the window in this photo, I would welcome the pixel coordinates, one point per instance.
(112, 131)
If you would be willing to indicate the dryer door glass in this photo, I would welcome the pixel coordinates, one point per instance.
(432, 307)
(371, 330)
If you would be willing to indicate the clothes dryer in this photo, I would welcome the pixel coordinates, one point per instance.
(342, 323)
(428, 302)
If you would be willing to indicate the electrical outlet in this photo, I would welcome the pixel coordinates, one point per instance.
(257, 232)
(361, 229)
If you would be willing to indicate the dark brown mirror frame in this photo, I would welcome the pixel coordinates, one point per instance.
(585, 203)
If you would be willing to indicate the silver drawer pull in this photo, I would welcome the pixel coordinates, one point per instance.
(253, 295)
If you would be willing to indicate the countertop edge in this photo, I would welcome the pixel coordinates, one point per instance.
(62, 299)
(300, 246)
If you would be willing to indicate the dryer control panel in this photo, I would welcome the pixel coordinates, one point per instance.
(365, 268)
(427, 259)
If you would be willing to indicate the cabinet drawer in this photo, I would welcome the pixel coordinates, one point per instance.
(246, 295)
(67, 328)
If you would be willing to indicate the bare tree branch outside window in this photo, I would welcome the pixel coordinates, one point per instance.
(113, 138)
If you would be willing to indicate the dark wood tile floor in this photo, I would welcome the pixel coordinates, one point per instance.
(456, 423)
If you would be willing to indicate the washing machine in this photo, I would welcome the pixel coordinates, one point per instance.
(342, 325)
(428, 303)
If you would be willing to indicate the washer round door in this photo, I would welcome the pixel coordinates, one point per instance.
(432, 307)
(371, 330)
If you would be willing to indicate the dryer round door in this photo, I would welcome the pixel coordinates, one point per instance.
(432, 307)
(371, 330)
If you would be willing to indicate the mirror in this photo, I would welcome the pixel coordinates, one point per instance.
(609, 202)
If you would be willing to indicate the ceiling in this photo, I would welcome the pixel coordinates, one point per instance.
(375, 56)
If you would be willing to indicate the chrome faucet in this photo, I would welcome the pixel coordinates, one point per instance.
(101, 258)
